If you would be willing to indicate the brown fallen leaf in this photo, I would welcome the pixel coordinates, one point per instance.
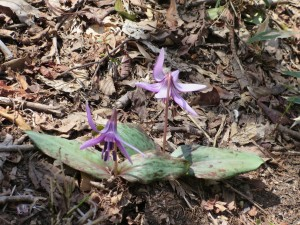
(262, 91)
(274, 115)
(125, 67)
(224, 94)
(172, 18)
(252, 211)
(15, 118)
(209, 98)
(22, 80)
(107, 86)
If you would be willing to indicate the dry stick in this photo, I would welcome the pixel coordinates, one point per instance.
(6, 52)
(32, 105)
(18, 198)
(196, 123)
(116, 160)
(245, 196)
(17, 148)
(288, 131)
(185, 129)
(166, 113)
(96, 62)
(219, 131)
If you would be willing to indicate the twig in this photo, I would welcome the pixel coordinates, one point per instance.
(204, 132)
(17, 148)
(96, 62)
(245, 196)
(185, 129)
(19, 198)
(166, 113)
(32, 105)
(288, 131)
(6, 52)
(219, 131)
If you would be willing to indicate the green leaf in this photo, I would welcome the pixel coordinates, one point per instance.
(270, 34)
(88, 161)
(292, 73)
(135, 136)
(294, 99)
(153, 166)
(214, 13)
(217, 163)
(121, 10)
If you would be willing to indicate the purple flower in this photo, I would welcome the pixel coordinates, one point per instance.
(109, 136)
(161, 87)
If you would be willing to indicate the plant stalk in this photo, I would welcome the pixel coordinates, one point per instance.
(166, 113)
(115, 160)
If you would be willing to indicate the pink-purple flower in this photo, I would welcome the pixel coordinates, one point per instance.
(109, 136)
(161, 87)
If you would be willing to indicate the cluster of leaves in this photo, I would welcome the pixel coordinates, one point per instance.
(198, 161)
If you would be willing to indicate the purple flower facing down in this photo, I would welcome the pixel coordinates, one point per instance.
(161, 87)
(109, 136)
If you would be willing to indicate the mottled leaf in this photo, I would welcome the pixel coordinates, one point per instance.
(135, 136)
(292, 73)
(153, 166)
(217, 163)
(88, 161)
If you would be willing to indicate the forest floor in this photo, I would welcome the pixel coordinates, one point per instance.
(64, 53)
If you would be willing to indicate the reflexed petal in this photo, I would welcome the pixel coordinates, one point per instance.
(123, 150)
(150, 87)
(162, 92)
(131, 146)
(92, 142)
(181, 102)
(174, 75)
(111, 125)
(188, 87)
(158, 72)
(90, 119)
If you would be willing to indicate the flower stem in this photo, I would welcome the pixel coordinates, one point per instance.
(169, 77)
(115, 160)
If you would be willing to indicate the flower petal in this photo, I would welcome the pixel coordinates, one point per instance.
(131, 146)
(150, 87)
(158, 72)
(174, 75)
(188, 87)
(181, 102)
(92, 142)
(123, 150)
(163, 91)
(89, 117)
(111, 125)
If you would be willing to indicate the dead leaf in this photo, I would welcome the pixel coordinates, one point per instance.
(22, 9)
(85, 182)
(60, 85)
(252, 211)
(210, 98)
(172, 18)
(16, 64)
(139, 30)
(107, 86)
(220, 206)
(224, 94)
(251, 132)
(15, 118)
(125, 67)
(263, 91)
(22, 80)
(274, 115)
